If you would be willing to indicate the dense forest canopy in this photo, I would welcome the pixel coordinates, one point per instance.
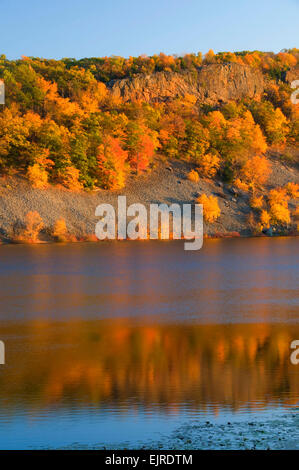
(61, 125)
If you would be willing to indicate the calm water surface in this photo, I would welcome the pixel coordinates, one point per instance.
(119, 342)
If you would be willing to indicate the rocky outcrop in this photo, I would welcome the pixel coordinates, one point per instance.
(211, 84)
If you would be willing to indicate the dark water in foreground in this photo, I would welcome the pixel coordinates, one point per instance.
(116, 342)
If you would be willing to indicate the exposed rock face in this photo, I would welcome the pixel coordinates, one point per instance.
(211, 84)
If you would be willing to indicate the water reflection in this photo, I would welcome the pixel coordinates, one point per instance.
(117, 364)
(114, 333)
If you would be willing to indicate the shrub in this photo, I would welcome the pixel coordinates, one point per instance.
(211, 209)
(278, 196)
(292, 190)
(37, 176)
(60, 232)
(209, 165)
(257, 202)
(33, 226)
(256, 171)
(265, 219)
(280, 214)
(70, 179)
(272, 121)
(193, 176)
(241, 185)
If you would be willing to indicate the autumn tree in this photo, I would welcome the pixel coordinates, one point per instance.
(69, 177)
(211, 209)
(257, 202)
(209, 165)
(140, 144)
(60, 232)
(61, 111)
(112, 164)
(272, 121)
(33, 226)
(193, 176)
(256, 172)
(196, 141)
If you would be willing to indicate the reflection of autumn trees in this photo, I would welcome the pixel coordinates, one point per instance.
(107, 363)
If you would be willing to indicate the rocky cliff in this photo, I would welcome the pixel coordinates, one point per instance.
(211, 84)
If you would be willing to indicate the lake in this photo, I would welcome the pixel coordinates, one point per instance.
(118, 343)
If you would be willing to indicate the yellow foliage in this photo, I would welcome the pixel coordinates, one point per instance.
(259, 143)
(34, 225)
(210, 57)
(292, 190)
(193, 176)
(71, 179)
(37, 176)
(241, 184)
(209, 165)
(211, 209)
(189, 100)
(277, 127)
(257, 202)
(278, 196)
(265, 219)
(60, 230)
(280, 214)
(216, 120)
(256, 171)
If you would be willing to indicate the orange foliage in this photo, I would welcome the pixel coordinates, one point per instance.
(34, 225)
(280, 214)
(91, 99)
(216, 120)
(60, 122)
(241, 184)
(210, 57)
(145, 153)
(256, 171)
(60, 232)
(211, 209)
(278, 196)
(193, 176)
(37, 176)
(292, 190)
(277, 127)
(112, 161)
(257, 202)
(287, 59)
(70, 178)
(208, 165)
(265, 219)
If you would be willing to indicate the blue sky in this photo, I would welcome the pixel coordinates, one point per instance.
(87, 28)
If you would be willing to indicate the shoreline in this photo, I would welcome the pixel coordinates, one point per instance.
(226, 236)
(254, 433)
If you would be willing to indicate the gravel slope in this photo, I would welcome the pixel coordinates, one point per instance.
(167, 183)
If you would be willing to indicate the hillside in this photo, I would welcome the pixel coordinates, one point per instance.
(220, 130)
